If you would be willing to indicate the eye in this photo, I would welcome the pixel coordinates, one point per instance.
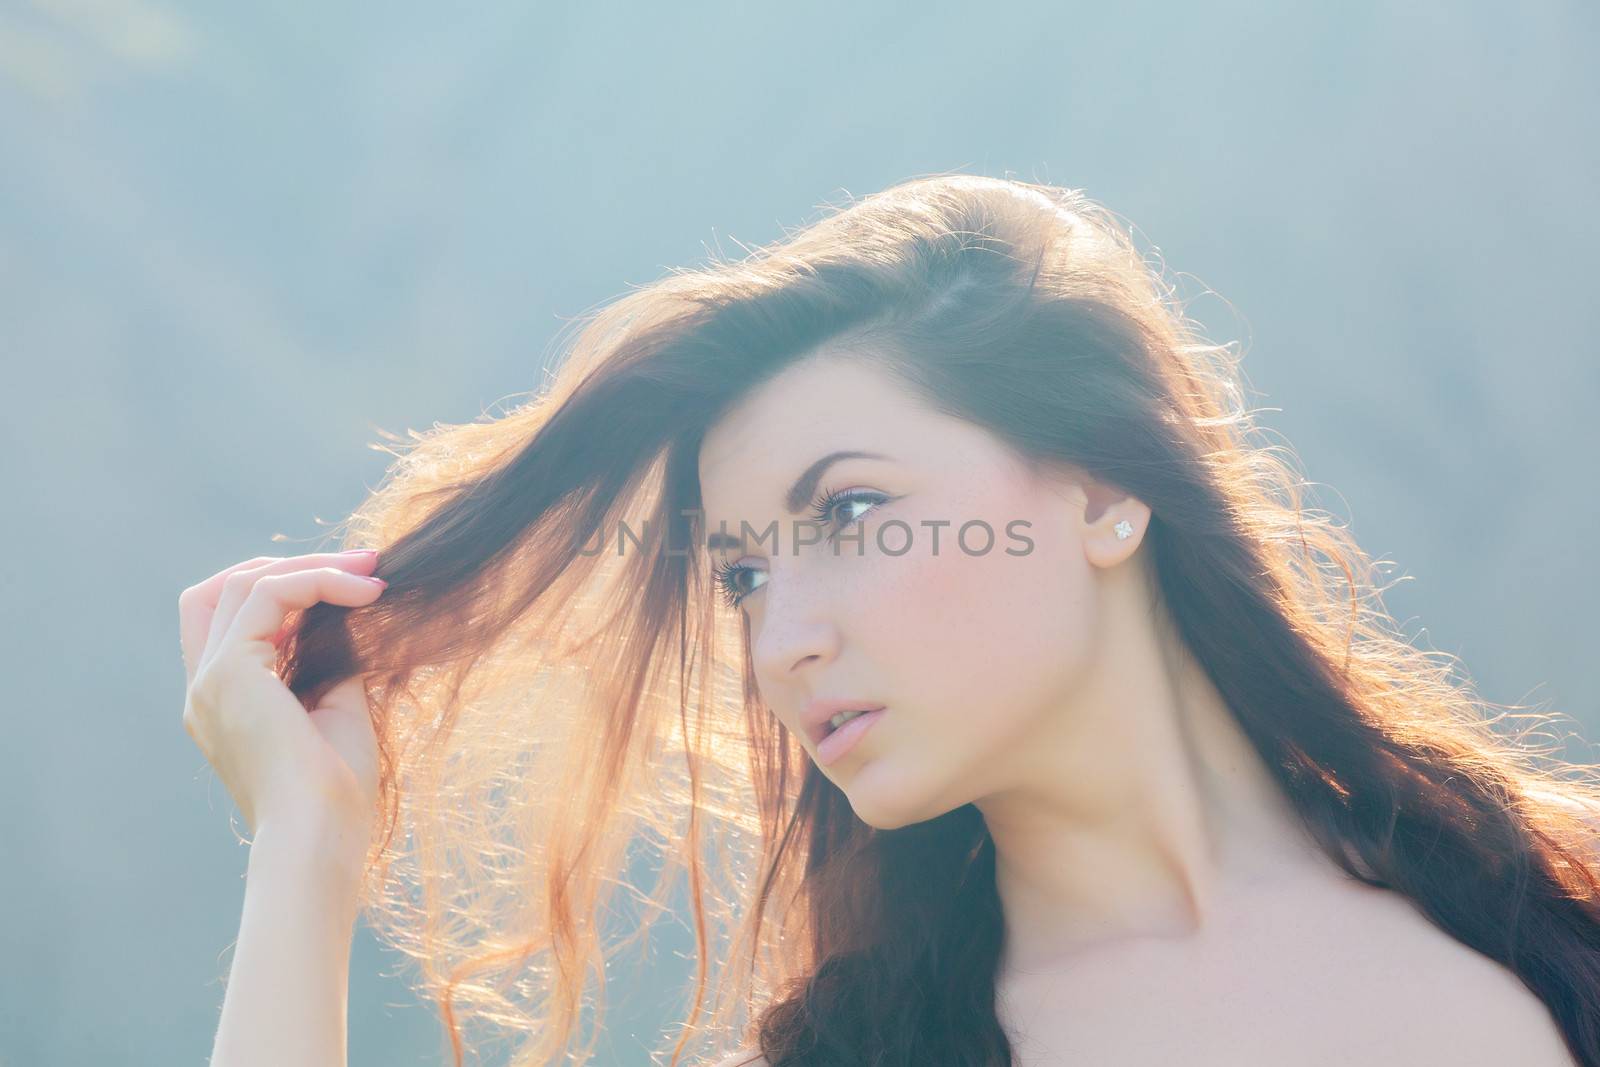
(823, 507)
(727, 576)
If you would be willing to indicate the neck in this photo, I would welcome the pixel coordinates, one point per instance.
(1143, 810)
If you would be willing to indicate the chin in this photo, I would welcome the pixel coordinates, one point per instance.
(887, 804)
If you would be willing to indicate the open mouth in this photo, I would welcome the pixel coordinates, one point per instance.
(833, 725)
(840, 738)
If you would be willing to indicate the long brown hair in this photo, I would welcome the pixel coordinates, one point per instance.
(543, 706)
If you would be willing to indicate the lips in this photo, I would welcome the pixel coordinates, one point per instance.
(815, 718)
(830, 728)
(842, 741)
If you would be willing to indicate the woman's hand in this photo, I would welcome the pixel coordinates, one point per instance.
(276, 760)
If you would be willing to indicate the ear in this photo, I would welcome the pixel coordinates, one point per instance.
(1114, 522)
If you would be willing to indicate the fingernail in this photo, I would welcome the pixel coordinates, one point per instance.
(379, 582)
(360, 552)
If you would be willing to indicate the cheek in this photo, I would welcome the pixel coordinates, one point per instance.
(978, 646)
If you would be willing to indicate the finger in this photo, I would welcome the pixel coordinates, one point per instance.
(273, 596)
(237, 583)
(196, 605)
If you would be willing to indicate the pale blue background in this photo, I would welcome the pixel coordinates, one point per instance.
(236, 239)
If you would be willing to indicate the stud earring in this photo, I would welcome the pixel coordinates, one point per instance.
(1124, 530)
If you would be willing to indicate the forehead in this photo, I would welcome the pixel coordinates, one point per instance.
(825, 401)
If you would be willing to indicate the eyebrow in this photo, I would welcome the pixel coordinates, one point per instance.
(799, 493)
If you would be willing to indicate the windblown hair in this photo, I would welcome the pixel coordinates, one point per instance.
(542, 705)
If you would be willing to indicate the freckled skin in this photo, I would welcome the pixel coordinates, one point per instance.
(1160, 894)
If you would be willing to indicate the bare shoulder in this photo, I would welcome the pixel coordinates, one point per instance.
(1436, 990)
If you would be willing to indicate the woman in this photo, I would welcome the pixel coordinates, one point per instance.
(920, 585)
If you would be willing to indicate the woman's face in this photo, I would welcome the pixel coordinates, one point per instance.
(973, 647)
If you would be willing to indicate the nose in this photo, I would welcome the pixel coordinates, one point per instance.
(795, 632)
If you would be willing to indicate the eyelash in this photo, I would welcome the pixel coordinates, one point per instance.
(726, 574)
